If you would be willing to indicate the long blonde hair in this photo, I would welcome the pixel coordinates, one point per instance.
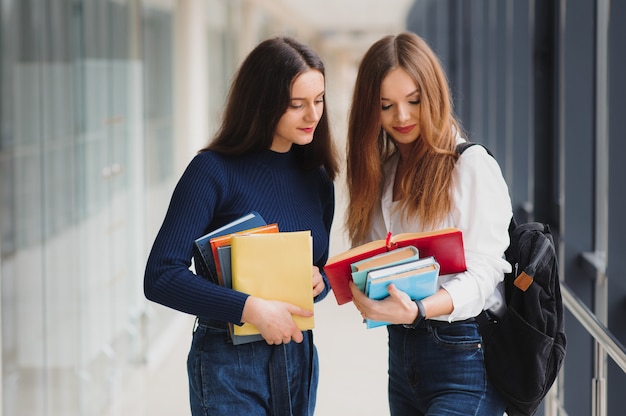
(426, 186)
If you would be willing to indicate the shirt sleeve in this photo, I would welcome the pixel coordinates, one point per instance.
(482, 211)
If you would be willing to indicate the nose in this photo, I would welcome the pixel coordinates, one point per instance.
(402, 113)
(313, 113)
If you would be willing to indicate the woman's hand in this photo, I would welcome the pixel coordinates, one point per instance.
(318, 281)
(274, 319)
(397, 308)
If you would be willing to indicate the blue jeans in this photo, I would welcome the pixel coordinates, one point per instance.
(254, 379)
(438, 369)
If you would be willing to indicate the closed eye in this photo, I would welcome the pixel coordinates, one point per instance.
(412, 102)
(297, 103)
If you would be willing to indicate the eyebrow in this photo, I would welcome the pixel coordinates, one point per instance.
(304, 98)
(414, 92)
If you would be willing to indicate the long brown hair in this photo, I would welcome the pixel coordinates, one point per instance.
(260, 95)
(426, 185)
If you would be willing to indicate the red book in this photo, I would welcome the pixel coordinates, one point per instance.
(445, 245)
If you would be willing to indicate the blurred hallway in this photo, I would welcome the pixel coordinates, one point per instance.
(104, 102)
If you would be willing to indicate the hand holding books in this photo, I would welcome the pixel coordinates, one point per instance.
(445, 245)
(253, 257)
(273, 319)
(274, 266)
(417, 277)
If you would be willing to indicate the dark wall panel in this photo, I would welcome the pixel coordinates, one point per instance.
(523, 77)
(617, 198)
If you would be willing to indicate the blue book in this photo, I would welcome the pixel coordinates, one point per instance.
(360, 269)
(418, 279)
(203, 256)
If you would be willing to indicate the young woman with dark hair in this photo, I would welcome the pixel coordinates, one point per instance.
(273, 154)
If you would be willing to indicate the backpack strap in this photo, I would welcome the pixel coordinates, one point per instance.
(530, 226)
(461, 147)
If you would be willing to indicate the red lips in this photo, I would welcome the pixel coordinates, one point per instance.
(405, 129)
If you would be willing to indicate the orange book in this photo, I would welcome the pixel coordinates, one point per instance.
(445, 245)
(224, 240)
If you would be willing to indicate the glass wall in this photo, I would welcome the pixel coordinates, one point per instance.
(86, 129)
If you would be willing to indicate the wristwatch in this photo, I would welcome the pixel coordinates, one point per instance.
(421, 314)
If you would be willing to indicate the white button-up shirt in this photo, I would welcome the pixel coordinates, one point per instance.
(481, 209)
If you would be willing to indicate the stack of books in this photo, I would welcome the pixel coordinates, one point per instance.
(253, 257)
(412, 261)
(403, 267)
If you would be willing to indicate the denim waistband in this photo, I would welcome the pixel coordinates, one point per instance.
(435, 323)
(212, 323)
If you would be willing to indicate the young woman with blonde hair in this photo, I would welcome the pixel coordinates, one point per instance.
(404, 175)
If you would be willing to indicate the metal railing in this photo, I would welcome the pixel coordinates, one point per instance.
(605, 344)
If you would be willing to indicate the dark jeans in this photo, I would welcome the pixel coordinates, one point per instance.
(254, 379)
(438, 369)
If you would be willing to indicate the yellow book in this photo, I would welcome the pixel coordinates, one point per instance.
(275, 266)
(224, 240)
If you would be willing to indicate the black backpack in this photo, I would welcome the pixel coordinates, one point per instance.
(524, 348)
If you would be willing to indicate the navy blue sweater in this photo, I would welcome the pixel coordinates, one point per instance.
(216, 189)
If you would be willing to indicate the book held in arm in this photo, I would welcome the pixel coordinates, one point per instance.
(387, 259)
(224, 241)
(224, 253)
(207, 259)
(446, 245)
(418, 279)
(202, 253)
(221, 250)
(274, 266)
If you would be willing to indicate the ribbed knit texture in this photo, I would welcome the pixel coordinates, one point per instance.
(216, 189)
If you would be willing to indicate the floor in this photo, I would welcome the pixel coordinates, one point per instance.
(353, 367)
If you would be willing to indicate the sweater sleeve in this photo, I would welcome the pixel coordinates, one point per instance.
(168, 279)
(482, 210)
(329, 212)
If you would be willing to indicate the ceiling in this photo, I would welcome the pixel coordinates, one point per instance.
(343, 24)
(350, 15)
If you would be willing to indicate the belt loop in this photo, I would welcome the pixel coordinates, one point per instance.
(195, 325)
(428, 326)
